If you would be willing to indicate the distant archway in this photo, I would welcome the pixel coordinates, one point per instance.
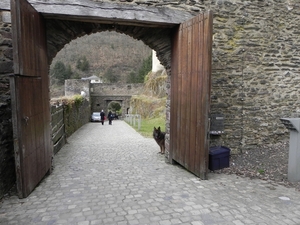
(115, 106)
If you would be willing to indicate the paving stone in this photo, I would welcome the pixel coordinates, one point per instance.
(113, 175)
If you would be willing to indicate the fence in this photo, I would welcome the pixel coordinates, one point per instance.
(66, 119)
(134, 120)
(58, 128)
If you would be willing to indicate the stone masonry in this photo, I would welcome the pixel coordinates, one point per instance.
(255, 64)
(7, 166)
(101, 95)
(255, 78)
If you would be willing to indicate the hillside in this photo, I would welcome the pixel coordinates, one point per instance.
(106, 52)
(152, 102)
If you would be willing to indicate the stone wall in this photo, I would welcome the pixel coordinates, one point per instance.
(76, 114)
(255, 77)
(116, 89)
(7, 162)
(99, 102)
(101, 95)
(255, 63)
(77, 87)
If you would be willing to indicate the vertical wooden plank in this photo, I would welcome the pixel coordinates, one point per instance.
(208, 30)
(193, 90)
(188, 79)
(178, 94)
(201, 110)
(46, 116)
(173, 154)
(30, 97)
(183, 96)
(198, 95)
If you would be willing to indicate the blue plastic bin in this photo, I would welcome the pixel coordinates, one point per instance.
(218, 157)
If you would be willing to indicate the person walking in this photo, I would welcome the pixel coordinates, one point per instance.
(109, 117)
(102, 115)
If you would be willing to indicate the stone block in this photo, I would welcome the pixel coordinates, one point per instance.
(6, 17)
(6, 67)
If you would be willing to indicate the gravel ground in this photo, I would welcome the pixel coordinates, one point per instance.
(267, 163)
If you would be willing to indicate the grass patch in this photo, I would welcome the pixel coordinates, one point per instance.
(147, 126)
(261, 171)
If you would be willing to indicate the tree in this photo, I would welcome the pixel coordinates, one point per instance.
(131, 78)
(142, 72)
(110, 76)
(145, 69)
(83, 64)
(61, 72)
(69, 72)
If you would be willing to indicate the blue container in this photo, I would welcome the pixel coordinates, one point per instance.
(218, 157)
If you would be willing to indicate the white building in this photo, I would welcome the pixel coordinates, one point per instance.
(94, 79)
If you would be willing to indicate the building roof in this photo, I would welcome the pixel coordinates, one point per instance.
(94, 77)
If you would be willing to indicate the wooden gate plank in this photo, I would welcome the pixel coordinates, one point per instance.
(183, 96)
(194, 79)
(188, 109)
(207, 47)
(199, 125)
(174, 145)
(190, 94)
(202, 110)
(30, 97)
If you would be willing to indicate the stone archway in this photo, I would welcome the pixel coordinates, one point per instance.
(152, 25)
(115, 106)
(156, 34)
(157, 39)
(31, 63)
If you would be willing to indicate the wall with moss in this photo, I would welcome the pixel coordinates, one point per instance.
(68, 114)
(255, 77)
(77, 112)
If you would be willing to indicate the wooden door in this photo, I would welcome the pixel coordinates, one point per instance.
(30, 97)
(190, 94)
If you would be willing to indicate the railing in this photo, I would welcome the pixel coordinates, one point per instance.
(134, 120)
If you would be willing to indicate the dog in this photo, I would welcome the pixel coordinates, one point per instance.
(159, 137)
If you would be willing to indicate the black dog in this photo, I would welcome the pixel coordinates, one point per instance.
(159, 137)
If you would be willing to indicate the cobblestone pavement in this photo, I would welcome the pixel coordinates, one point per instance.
(112, 175)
